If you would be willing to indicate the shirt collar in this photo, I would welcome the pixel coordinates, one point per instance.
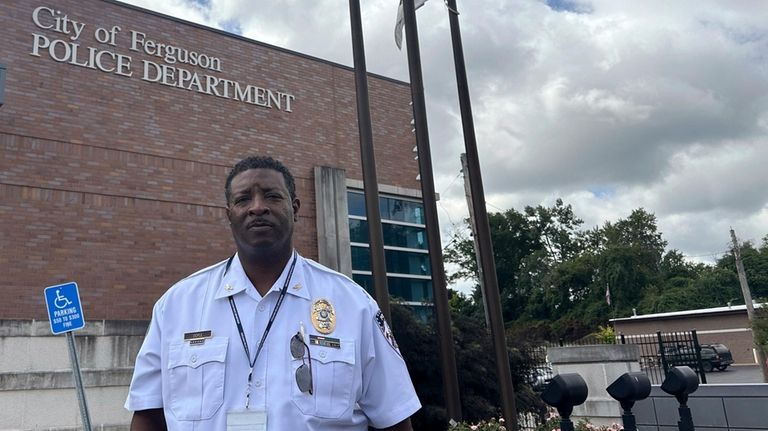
(235, 281)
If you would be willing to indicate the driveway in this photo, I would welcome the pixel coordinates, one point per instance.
(737, 374)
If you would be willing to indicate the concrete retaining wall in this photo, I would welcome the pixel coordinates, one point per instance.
(36, 385)
(599, 365)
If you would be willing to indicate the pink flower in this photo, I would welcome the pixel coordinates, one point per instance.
(473, 427)
(501, 420)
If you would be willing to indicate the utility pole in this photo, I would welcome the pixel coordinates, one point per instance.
(472, 226)
(748, 301)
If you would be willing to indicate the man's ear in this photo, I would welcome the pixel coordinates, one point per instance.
(296, 205)
(229, 220)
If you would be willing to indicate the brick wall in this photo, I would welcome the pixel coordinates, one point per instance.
(117, 183)
(730, 328)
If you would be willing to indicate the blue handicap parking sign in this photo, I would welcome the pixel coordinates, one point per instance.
(64, 310)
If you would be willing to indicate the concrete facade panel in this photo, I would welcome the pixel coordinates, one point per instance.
(747, 412)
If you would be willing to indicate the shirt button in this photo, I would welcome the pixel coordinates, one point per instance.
(193, 358)
(322, 354)
(261, 307)
(258, 383)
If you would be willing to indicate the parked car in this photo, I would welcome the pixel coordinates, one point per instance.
(540, 376)
(713, 356)
(722, 358)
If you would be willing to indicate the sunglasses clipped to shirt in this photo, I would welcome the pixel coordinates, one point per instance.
(304, 372)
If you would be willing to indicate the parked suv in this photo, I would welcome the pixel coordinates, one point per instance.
(713, 356)
(722, 356)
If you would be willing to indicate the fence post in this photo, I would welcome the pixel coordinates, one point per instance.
(697, 349)
(661, 353)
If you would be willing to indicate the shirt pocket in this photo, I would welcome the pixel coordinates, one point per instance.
(333, 378)
(196, 378)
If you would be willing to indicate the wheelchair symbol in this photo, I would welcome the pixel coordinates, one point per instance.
(61, 301)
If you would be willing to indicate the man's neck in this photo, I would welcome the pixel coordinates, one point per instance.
(264, 270)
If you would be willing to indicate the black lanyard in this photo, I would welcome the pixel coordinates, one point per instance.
(243, 339)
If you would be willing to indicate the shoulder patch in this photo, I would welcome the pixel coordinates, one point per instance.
(381, 322)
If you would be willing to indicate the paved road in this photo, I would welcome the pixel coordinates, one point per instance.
(737, 374)
(733, 374)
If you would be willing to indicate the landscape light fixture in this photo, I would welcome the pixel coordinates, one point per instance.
(564, 392)
(627, 389)
(682, 381)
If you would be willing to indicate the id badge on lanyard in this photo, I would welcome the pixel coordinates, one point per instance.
(247, 420)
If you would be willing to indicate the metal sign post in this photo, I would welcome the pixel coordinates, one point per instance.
(66, 315)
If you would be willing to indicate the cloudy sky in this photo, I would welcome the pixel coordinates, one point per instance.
(609, 104)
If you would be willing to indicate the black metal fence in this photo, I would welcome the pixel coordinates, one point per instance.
(660, 352)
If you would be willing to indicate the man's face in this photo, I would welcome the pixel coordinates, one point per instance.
(261, 213)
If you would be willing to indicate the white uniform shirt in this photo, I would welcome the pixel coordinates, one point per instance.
(363, 381)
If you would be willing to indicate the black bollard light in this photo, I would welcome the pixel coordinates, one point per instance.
(564, 392)
(682, 381)
(628, 389)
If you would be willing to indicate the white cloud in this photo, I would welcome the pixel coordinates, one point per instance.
(656, 104)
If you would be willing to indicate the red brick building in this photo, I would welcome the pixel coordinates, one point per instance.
(118, 129)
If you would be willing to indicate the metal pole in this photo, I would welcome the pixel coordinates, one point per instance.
(490, 283)
(748, 301)
(663, 354)
(628, 419)
(370, 184)
(468, 195)
(566, 424)
(697, 349)
(76, 376)
(686, 420)
(442, 312)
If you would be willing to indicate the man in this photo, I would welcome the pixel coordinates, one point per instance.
(268, 340)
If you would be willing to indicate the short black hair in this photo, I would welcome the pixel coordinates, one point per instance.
(260, 162)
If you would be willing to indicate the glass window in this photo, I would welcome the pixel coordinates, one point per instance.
(404, 236)
(356, 203)
(405, 262)
(358, 231)
(406, 289)
(390, 208)
(361, 258)
(394, 235)
(401, 210)
(410, 289)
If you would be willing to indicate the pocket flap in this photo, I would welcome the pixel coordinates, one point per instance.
(185, 355)
(345, 353)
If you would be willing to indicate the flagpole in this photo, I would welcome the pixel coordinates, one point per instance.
(370, 184)
(442, 312)
(485, 247)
